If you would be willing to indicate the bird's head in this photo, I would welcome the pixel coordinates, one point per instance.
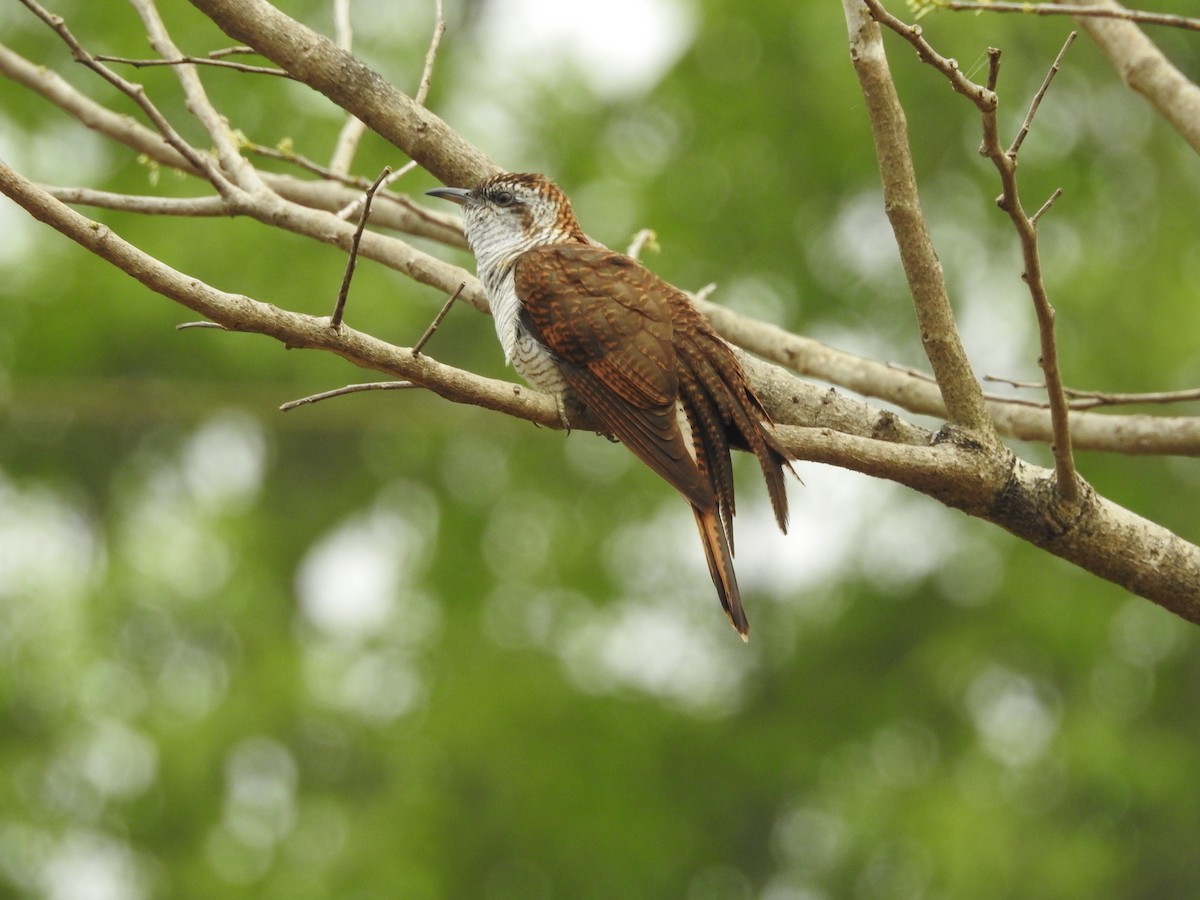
(510, 213)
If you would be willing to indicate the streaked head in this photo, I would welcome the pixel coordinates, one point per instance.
(509, 213)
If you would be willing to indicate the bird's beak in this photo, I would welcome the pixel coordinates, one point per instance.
(454, 195)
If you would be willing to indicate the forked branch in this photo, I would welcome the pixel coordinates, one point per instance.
(960, 388)
(964, 467)
(1005, 161)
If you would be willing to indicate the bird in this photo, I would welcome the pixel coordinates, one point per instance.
(596, 328)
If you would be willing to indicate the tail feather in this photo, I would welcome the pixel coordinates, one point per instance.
(720, 567)
(713, 381)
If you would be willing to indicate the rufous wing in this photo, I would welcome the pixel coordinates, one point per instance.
(607, 321)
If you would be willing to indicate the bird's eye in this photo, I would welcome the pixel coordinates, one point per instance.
(503, 198)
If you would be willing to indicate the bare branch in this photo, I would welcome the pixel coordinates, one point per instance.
(1014, 499)
(317, 62)
(1081, 399)
(346, 146)
(285, 153)
(233, 164)
(1015, 147)
(236, 312)
(231, 51)
(1005, 162)
(437, 320)
(982, 481)
(1067, 482)
(1124, 434)
(355, 206)
(939, 334)
(1054, 9)
(200, 207)
(348, 389)
(439, 28)
(343, 30)
(396, 212)
(354, 128)
(195, 61)
(982, 97)
(199, 162)
(399, 213)
(335, 320)
(1050, 201)
(917, 393)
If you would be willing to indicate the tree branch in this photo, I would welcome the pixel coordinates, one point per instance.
(986, 482)
(918, 393)
(240, 313)
(964, 467)
(399, 213)
(317, 61)
(1138, 434)
(439, 29)
(1053, 9)
(1098, 535)
(194, 61)
(1145, 69)
(233, 164)
(196, 160)
(354, 128)
(960, 389)
(1005, 161)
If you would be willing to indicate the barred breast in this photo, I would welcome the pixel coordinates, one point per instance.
(531, 360)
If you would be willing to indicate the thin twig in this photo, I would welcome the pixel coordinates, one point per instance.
(354, 206)
(284, 153)
(1054, 9)
(240, 50)
(993, 78)
(335, 321)
(201, 162)
(981, 96)
(1037, 98)
(1067, 481)
(1058, 192)
(1146, 70)
(1082, 399)
(404, 214)
(185, 326)
(354, 128)
(195, 61)
(346, 146)
(348, 389)
(233, 164)
(439, 28)
(437, 320)
(343, 30)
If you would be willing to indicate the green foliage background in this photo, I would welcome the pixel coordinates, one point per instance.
(389, 647)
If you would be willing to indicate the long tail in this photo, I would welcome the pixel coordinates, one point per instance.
(720, 567)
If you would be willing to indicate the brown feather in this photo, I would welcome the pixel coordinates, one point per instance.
(633, 349)
(621, 366)
(720, 567)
